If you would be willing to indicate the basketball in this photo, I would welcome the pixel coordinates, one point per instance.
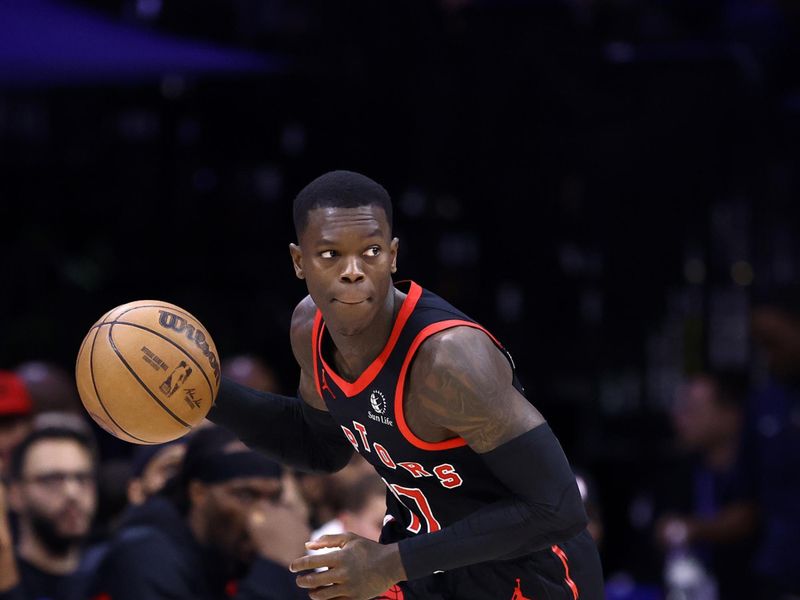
(147, 372)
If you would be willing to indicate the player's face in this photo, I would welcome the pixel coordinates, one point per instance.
(347, 257)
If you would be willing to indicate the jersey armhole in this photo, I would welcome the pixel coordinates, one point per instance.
(402, 425)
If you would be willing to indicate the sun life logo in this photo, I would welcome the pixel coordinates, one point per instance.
(378, 401)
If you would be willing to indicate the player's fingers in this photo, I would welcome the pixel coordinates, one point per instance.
(336, 540)
(319, 579)
(314, 561)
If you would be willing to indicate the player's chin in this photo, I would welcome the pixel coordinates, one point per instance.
(351, 319)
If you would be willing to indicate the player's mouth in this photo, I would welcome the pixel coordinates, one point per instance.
(351, 301)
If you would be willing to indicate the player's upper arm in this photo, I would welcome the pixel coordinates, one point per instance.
(462, 382)
(300, 334)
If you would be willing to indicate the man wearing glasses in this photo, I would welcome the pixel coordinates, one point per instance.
(53, 493)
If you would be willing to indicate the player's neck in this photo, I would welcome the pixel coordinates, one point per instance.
(354, 353)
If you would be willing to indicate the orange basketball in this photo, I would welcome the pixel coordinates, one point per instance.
(147, 372)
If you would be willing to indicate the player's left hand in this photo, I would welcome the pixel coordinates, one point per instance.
(360, 569)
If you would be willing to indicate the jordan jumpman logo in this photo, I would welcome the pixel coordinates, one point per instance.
(325, 385)
(518, 593)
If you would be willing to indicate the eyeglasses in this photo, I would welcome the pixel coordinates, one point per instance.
(249, 495)
(55, 480)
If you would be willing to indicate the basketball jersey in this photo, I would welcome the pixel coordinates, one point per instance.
(430, 485)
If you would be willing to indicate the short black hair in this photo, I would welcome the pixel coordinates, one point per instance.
(20, 451)
(339, 189)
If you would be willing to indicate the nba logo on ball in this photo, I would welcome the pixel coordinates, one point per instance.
(147, 372)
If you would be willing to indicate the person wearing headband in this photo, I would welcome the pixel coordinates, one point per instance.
(216, 530)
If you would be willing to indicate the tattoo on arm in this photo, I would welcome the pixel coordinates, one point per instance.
(460, 381)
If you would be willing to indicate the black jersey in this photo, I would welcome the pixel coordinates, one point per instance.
(431, 484)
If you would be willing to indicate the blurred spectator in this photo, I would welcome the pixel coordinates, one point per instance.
(255, 372)
(15, 416)
(123, 484)
(620, 585)
(216, 530)
(151, 467)
(321, 491)
(9, 574)
(53, 494)
(692, 499)
(770, 467)
(55, 399)
(588, 490)
(252, 371)
(361, 509)
(52, 387)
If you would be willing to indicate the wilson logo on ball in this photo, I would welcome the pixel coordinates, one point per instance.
(178, 324)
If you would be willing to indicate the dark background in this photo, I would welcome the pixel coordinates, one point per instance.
(602, 183)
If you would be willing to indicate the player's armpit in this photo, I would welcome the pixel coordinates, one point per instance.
(461, 384)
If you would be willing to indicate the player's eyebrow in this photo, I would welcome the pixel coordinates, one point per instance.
(375, 233)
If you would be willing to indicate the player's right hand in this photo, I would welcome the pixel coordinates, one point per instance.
(359, 570)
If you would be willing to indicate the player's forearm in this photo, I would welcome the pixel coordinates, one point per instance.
(502, 530)
(545, 508)
(285, 428)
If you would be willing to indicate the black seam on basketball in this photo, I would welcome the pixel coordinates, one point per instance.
(142, 383)
(183, 312)
(171, 341)
(100, 400)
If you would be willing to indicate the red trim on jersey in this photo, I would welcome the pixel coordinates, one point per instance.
(567, 579)
(428, 331)
(314, 337)
(356, 387)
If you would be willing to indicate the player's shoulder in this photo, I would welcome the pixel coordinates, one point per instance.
(450, 347)
(302, 326)
(304, 312)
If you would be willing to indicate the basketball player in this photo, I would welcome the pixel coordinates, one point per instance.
(482, 502)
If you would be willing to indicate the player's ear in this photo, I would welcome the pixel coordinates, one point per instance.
(393, 249)
(297, 260)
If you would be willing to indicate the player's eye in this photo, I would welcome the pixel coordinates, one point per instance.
(373, 251)
(328, 253)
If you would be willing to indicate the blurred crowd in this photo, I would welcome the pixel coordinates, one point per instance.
(645, 136)
(85, 516)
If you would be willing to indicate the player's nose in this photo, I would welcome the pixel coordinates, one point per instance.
(353, 270)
